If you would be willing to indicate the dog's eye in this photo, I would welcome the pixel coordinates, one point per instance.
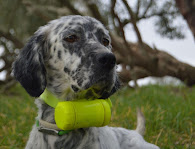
(71, 38)
(105, 42)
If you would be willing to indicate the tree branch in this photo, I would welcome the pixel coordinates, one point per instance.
(133, 19)
(95, 12)
(126, 21)
(138, 72)
(7, 84)
(31, 7)
(13, 39)
(120, 26)
(159, 14)
(58, 10)
(147, 8)
(157, 63)
(68, 4)
(137, 9)
(187, 9)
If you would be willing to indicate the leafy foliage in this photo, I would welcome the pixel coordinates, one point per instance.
(166, 22)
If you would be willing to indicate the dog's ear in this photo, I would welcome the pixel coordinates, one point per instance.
(29, 67)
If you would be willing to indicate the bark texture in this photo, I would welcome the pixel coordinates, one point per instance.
(150, 62)
(187, 9)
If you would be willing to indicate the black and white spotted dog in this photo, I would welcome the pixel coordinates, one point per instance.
(67, 56)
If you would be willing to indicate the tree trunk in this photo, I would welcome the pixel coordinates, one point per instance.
(154, 63)
(187, 9)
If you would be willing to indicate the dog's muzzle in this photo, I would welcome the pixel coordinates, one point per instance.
(103, 77)
(106, 61)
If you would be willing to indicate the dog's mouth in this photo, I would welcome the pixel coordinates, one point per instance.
(98, 93)
(93, 92)
(100, 90)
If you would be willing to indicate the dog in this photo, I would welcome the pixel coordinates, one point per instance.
(67, 56)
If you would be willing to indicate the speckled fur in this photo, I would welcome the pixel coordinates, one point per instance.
(68, 69)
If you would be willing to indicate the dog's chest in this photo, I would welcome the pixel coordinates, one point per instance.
(89, 138)
(92, 138)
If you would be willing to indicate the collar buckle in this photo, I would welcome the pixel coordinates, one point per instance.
(48, 131)
(46, 127)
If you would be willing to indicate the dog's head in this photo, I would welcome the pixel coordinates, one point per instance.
(68, 56)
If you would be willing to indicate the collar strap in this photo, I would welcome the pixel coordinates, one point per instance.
(52, 100)
(49, 98)
(44, 126)
(49, 128)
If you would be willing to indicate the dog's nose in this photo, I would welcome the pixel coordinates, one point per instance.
(106, 60)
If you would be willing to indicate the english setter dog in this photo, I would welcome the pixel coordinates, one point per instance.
(67, 56)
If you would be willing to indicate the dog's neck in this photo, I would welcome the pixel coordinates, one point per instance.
(45, 112)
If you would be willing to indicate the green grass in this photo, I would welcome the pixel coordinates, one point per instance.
(17, 115)
(169, 113)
